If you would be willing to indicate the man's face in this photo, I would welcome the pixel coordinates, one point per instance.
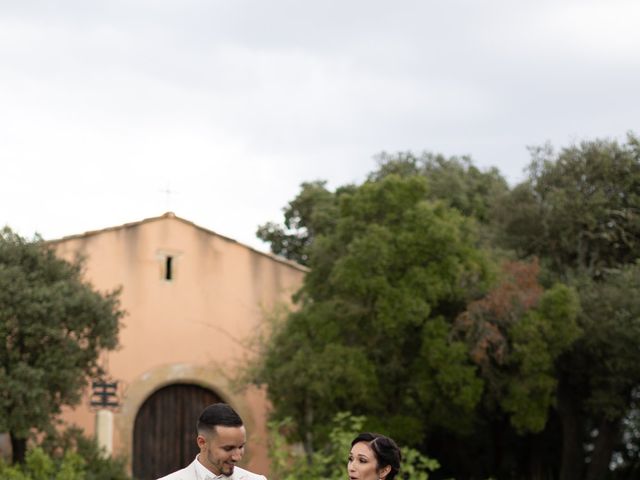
(220, 451)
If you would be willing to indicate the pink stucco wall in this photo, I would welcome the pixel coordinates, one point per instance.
(193, 327)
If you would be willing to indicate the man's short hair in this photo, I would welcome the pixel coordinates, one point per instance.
(217, 414)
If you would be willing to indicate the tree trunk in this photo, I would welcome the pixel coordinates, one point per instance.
(608, 433)
(498, 435)
(572, 465)
(308, 429)
(19, 448)
(538, 469)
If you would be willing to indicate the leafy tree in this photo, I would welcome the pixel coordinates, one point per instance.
(53, 325)
(601, 374)
(375, 334)
(533, 376)
(515, 334)
(580, 209)
(579, 212)
(454, 181)
(308, 215)
(371, 332)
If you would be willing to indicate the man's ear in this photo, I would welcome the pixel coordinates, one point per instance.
(202, 441)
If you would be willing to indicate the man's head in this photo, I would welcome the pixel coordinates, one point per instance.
(221, 438)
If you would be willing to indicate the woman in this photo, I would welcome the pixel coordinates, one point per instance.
(373, 457)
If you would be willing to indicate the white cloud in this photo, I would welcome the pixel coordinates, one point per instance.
(234, 104)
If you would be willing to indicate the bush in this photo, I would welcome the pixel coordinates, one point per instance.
(101, 466)
(67, 455)
(39, 465)
(330, 462)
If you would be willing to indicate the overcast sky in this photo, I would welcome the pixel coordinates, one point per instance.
(232, 104)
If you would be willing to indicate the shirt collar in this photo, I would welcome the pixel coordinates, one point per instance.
(205, 474)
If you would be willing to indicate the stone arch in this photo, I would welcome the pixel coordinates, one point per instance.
(164, 429)
(146, 385)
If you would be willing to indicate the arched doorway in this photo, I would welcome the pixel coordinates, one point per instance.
(164, 433)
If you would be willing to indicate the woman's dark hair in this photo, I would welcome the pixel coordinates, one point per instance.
(385, 450)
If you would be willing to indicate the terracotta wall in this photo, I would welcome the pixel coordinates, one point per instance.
(193, 327)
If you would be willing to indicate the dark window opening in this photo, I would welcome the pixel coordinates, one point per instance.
(168, 268)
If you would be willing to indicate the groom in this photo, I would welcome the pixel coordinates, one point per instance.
(221, 438)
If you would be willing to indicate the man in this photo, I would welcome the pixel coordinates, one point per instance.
(221, 438)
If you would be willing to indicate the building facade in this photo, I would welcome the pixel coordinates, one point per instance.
(194, 300)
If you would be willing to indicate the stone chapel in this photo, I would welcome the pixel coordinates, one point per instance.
(194, 299)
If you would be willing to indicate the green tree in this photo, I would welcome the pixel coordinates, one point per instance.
(390, 272)
(372, 326)
(453, 180)
(54, 326)
(306, 216)
(579, 212)
(579, 209)
(515, 333)
(531, 376)
(601, 374)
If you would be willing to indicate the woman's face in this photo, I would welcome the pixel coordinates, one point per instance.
(362, 463)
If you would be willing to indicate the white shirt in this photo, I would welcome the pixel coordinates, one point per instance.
(196, 471)
(204, 473)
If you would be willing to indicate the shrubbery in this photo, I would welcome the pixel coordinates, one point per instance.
(330, 462)
(39, 465)
(69, 455)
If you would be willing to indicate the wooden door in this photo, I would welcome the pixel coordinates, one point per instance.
(164, 433)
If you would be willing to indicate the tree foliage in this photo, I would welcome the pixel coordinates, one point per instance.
(579, 212)
(454, 181)
(40, 466)
(494, 328)
(54, 326)
(515, 334)
(599, 376)
(580, 208)
(66, 456)
(372, 317)
(308, 215)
